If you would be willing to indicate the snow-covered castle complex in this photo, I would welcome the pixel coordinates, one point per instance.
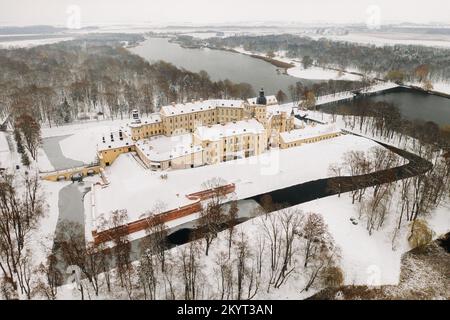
(203, 132)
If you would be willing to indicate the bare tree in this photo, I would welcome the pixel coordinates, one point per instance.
(75, 252)
(322, 260)
(313, 230)
(31, 131)
(156, 240)
(52, 276)
(232, 221)
(190, 270)
(212, 215)
(290, 220)
(19, 216)
(272, 232)
(224, 274)
(245, 269)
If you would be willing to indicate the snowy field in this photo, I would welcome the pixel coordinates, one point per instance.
(317, 73)
(137, 189)
(389, 39)
(312, 73)
(31, 42)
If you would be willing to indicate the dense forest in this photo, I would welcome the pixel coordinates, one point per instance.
(97, 75)
(400, 62)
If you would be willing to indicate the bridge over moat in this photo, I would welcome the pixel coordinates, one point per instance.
(68, 174)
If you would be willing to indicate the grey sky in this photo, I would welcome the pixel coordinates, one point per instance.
(27, 12)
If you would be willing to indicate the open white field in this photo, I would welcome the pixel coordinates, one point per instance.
(28, 43)
(317, 73)
(138, 190)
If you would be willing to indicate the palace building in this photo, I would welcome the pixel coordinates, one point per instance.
(196, 133)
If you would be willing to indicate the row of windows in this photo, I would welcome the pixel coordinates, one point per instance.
(116, 150)
(317, 139)
(191, 117)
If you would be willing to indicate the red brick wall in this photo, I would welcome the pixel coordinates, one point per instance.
(164, 217)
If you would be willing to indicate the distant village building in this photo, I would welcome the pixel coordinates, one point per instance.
(188, 135)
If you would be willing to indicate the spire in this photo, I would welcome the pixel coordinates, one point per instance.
(262, 98)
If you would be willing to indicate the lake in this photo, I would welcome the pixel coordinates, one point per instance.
(412, 104)
(219, 64)
(237, 67)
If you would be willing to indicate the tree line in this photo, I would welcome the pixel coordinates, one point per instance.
(62, 82)
(398, 62)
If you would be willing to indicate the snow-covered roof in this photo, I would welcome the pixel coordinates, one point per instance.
(162, 148)
(270, 100)
(153, 118)
(277, 109)
(196, 106)
(113, 140)
(308, 132)
(218, 131)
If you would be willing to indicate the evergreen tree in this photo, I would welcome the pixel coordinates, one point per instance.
(25, 159)
(63, 113)
(18, 138)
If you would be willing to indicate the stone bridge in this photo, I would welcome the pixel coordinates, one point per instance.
(67, 174)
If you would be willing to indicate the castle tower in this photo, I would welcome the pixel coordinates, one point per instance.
(262, 98)
(135, 116)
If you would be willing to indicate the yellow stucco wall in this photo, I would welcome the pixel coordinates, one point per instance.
(285, 145)
(107, 157)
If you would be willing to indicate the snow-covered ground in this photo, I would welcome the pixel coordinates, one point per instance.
(438, 86)
(41, 239)
(28, 43)
(5, 154)
(312, 73)
(82, 127)
(389, 39)
(81, 141)
(317, 73)
(131, 184)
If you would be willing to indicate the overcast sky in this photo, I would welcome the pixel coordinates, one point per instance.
(54, 12)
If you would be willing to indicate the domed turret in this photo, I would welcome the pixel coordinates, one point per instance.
(262, 98)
